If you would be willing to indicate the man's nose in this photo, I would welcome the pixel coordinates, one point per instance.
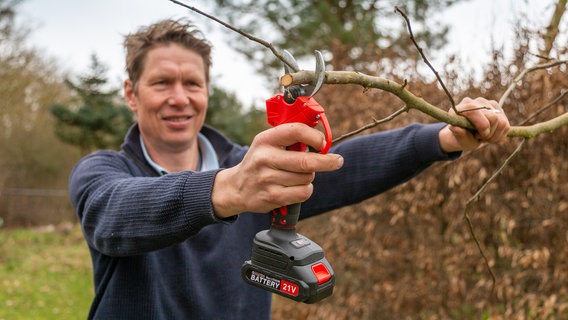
(178, 96)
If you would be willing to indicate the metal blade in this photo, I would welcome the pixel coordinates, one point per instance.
(319, 73)
(290, 64)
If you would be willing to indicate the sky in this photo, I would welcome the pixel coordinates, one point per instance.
(70, 31)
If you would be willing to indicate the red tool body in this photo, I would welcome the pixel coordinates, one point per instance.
(283, 261)
(304, 109)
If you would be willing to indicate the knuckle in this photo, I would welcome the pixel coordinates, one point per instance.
(467, 100)
(311, 177)
(263, 178)
(271, 197)
(306, 192)
(260, 137)
(306, 178)
(293, 129)
(306, 163)
(310, 191)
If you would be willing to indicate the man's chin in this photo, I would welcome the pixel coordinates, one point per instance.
(181, 142)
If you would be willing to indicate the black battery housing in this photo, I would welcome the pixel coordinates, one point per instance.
(289, 264)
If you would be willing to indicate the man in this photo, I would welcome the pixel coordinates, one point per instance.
(170, 219)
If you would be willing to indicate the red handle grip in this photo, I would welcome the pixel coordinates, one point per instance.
(305, 110)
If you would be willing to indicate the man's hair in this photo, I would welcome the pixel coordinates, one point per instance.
(165, 32)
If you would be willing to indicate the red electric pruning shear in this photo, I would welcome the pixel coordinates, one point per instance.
(282, 260)
(297, 104)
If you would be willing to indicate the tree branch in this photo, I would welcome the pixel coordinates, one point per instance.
(414, 102)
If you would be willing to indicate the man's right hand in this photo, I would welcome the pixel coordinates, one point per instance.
(270, 176)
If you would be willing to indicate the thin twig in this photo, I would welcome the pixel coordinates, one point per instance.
(371, 125)
(523, 74)
(440, 81)
(476, 197)
(241, 32)
(563, 94)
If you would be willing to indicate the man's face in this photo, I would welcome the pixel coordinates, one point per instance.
(171, 98)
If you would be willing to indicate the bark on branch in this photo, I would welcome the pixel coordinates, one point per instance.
(414, 102)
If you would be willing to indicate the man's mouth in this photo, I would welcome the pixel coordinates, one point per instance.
(177, 122)
(177, 119)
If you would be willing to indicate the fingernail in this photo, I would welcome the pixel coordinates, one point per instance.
(340, 161)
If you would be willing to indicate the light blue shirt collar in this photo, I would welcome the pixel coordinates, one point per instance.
(207, 156)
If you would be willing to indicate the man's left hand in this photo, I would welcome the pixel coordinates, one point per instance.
(487, 117)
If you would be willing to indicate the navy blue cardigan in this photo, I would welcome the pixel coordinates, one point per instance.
(158, 250)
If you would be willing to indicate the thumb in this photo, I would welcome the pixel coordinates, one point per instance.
(464, 138)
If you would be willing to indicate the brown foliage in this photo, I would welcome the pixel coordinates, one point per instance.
(408, 254)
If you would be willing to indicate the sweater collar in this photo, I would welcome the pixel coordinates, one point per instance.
(207, 156)
(220, 144)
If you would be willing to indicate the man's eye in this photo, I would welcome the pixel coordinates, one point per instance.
(191, 84)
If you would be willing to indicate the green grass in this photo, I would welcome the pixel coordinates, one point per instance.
(44, 274)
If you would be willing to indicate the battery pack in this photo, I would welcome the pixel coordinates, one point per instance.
(289, 264)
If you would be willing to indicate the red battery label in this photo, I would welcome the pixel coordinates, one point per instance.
(289, 288)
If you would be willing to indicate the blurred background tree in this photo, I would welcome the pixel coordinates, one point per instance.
(102, 119)
(354, 35)
(227, 114)
(31, 155)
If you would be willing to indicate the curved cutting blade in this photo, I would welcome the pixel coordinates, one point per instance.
(290, 64)
(319, 73)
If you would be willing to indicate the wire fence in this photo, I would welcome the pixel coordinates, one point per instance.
(29, 207)
(34, 192)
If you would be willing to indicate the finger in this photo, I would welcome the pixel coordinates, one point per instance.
(289, 178)
(503, 128)
(483, 114)
(488, 134)
(481, 123)
(289, 195)
(274, 140)
(499, 122)
(481, 102)
(305, 162)
(291, 133)
(275, 195)
(500, 127)
(465, 138)
(495, 104)
(495, 117)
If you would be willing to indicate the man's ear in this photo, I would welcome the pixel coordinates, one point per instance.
(130, 96)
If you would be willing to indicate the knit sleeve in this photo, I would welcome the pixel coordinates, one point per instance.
(126, 212)
(375, 163)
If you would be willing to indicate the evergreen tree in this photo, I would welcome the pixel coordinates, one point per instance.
(100, 122)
